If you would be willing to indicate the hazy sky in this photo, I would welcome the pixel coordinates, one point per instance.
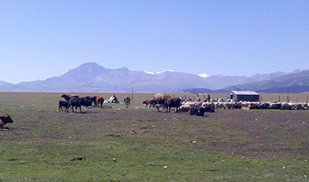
(40, 39)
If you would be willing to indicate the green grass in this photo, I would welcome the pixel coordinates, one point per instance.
(41, 144)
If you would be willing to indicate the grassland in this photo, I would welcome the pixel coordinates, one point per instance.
(45, 145)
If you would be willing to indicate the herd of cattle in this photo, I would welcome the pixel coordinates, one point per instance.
(76, 103)
(209, 105)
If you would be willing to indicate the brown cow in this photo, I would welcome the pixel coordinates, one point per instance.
(161, 96)
(161, 99)
(99, 101)
(4, 119)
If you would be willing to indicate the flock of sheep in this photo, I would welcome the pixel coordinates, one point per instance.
(261, 105)
(209, 105)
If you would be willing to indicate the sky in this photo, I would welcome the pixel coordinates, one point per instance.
(41, 39)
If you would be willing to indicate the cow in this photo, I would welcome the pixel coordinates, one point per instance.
(75, 103)
(161, 100)
(127, 101)
(161, 96)
(67, 97)
(92, 98)
(173, 102)
(99, 101)
(149, 103)
(197, 110)
(79, 102)
(4, 119)
(63, 105)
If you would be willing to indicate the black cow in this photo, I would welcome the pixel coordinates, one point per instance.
(79, 102)
(99, 102)
(173, 102)
(63, 105)
(197, 110)
(4, 119)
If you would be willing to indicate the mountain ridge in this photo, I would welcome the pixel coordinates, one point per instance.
(92, 77)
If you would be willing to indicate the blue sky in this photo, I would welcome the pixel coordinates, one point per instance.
(40, 39)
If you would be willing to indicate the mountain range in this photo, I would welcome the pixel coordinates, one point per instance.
(91, 77)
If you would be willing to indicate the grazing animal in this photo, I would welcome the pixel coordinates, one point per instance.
(4, 119)
(161, 100)
(275, 106)
(253, 105)
(229, 105)
(87, 101)
(92, 98)
(74, 104)
(264, 105)
(146, 102)
(209, 108)
(286, 106)
(184, 108)
(297, 107)
(77, 103)
(197, 110)
(161, 96)
(127, 101)
(63, 105)
(99, 102)
(67, 97)
(149, 103)
(173, 102)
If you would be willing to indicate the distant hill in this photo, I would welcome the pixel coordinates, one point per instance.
(91, 77)
(4, 84)
(289, 83)
(199, 90)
